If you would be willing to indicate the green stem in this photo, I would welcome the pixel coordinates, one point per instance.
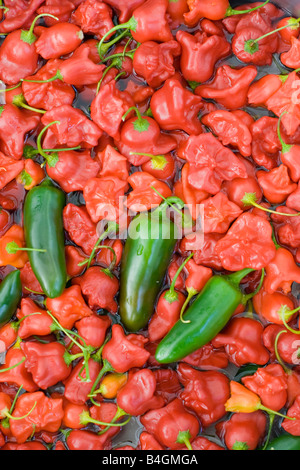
(112, 227)
(57, 76)
(285, 147)
(279, 360)
(18, 418)
(39, 139)
(171, 296)
(28, 36)
(130, 25)
(271, 423)
(119, 414)
(184, 438)
(250, 199)
(103, 48)
(269, 411)
(231, 11)
(106, 368)
(191, 293)
(13, 367)
(120, 55)
(11, 89)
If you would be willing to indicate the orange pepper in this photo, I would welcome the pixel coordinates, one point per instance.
(32, 175)
(19, 259)
(111, 384)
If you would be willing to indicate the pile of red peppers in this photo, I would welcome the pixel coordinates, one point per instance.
(145, 100)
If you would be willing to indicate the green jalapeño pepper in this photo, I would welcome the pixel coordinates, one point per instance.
(204, 319)
(284, 442)
(10, 296)
(147, 254)
(43, 224)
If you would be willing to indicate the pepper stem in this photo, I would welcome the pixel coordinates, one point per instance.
(112, 227)
(191, 293)
(250, 199)
(271, 423)
(57, 76)
(251, 46)
(272, 412)
(14, 366)
(184, 438)
(28, 36)
(280, 361)
(130, 25)
(107, 367)
(103, 48)
(12, 248)
(285, 147)
(171, 295)
(231, 11)
(18, 418)
(20, 102)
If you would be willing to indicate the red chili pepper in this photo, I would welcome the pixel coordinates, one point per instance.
(242, 340)
(261, 90)
(74, 261)
(291, 58)
(62, 10)
(8, 335)
(124, 8)
(125, 352)
(72, 128)
(69, 307)
(289, 33)
(73, 170)
(205, 393)
(148, 23)
(102, 197)
(33, 320)
(207, 358)
(94, 18)
(175, 107)
(143, 196)
(247, 244)
(172, 425)
(19, 15)
(210, 163)
(29, 280)
(80, 228)
(287, 343)
(9, 169)
(148, 442)
(281, 272)
(167, 384)
(229, 87)
(283, 101)
(293, 426)
(201, 443)
(288, 232)
(265, 145)
(276, 184)
(93, 330)
(109, 107)
(155, 62)
(200, 53)
(47, 95)
(14, 125)
(270, 384)
(58, 40)
(176, 11)
(138, 395)
(112, 163)
(207, 255)
(46, 415)
(243, 431)
(72, 415)
(77, 389)
(46, 363)
(230, 130)
(26, 446)
(99, 286)
(86, 440)
(15, 372)
(268, 305)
